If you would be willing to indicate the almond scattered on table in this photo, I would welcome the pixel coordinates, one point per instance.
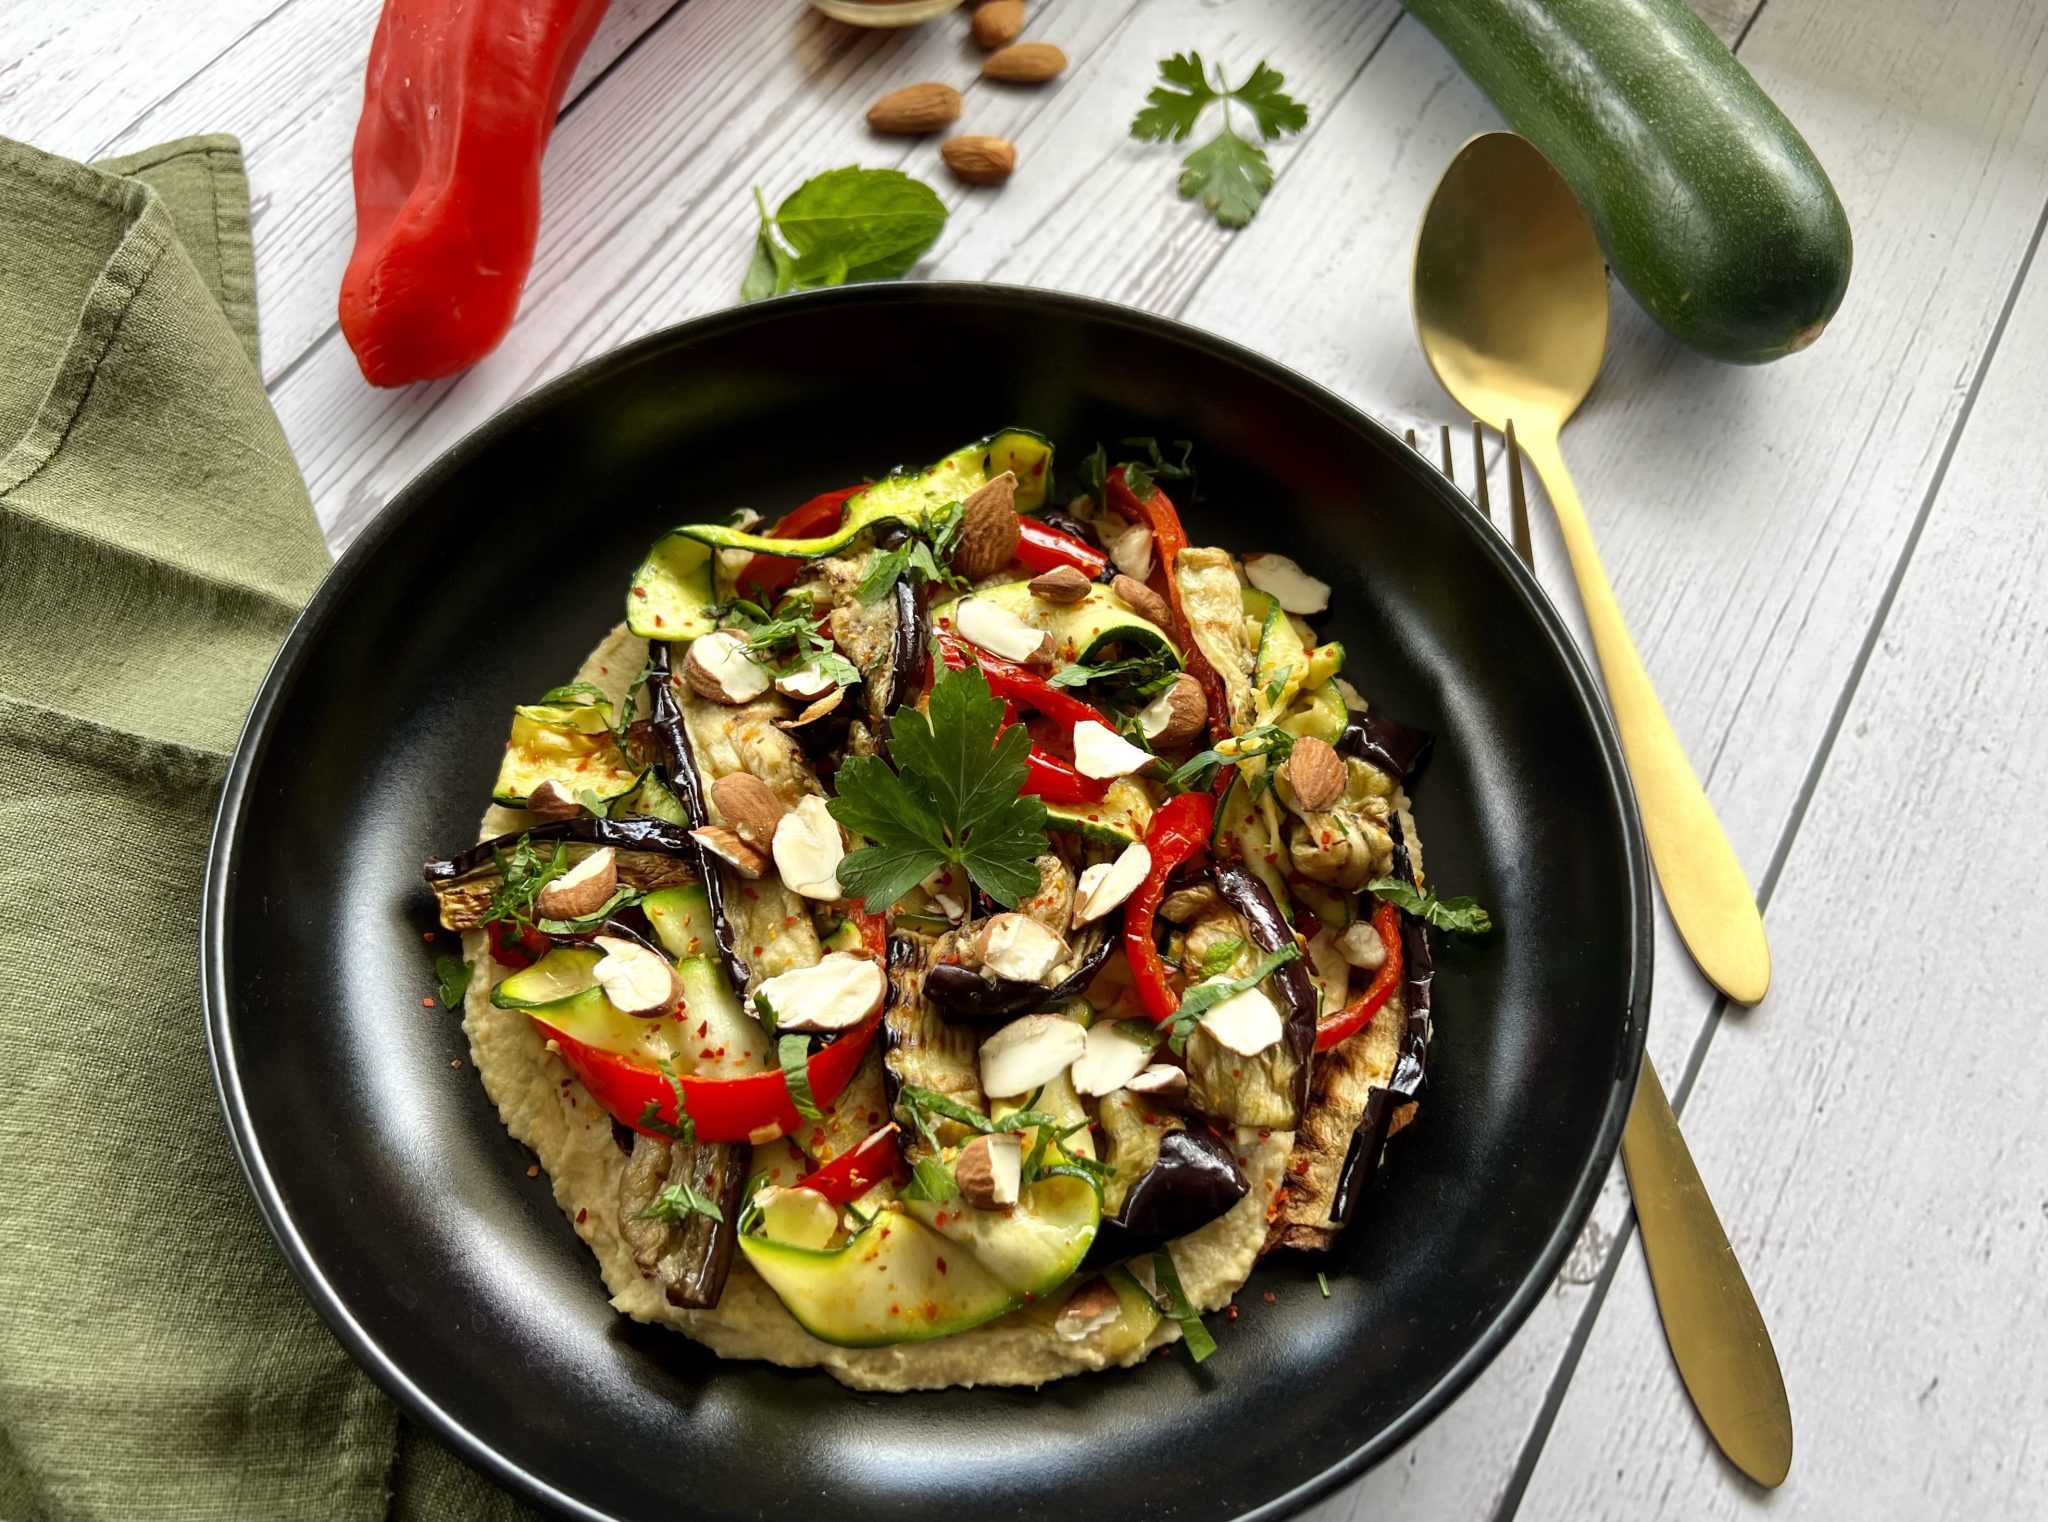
(979, 160)
(1025, 63)
(997, 23)
(916, 108)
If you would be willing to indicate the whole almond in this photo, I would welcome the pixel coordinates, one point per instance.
(988, 532)
(1187, 713)
(1142, 600)
(1316, 773)
(979, 160)
(749, 805)
(1024, 63)
(997, 22)
(1063, 583)
(915, 108)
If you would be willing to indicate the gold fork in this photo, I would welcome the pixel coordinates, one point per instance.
(1717, 1335)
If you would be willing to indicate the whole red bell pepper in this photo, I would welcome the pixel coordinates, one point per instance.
(1041, 547)
(765, 576)
(858, 1169)
(754, 1108)
(1355, 1016)
(1179, 830)
(1157, 513)
(458, 106)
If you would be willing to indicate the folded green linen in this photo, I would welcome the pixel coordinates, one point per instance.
(156, 1358)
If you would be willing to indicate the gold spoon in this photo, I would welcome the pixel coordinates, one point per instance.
(1513, 317)
(1511, 307)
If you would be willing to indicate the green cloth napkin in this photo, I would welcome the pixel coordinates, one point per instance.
(156, 1358)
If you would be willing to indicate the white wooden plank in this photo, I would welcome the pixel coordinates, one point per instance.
(1877, 1151)
(653, 217)
(1751, 518)
(292, 90)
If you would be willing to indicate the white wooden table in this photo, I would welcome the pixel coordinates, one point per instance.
(1836, 566)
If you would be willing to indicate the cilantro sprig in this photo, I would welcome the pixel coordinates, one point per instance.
(954, 794)
(1460, 916)
(1229, 174)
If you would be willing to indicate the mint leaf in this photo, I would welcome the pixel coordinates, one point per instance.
(1094, 473)
(453, 974)
(1173, 107)
(771, 273)
(1180, 1308)
(1273, 111)
(874, 223)
(1219, 956)
(792, 1054)
(1203, 997)
(684, 1130)
(1460, 916)
(1229, 176)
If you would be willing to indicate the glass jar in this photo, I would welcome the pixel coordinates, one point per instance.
(885, 12)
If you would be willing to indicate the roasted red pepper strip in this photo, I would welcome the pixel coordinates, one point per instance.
(1179, 830)
(1043, 548)
(457, 110)
(766, 575)
(515, 948)
(858, 1169)
(724, 1109)
(1046, 776)
(874, 932)
(1168, 540)
(1023, 686)
(1355, 1016)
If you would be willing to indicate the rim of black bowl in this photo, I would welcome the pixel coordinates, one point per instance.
(391, 521)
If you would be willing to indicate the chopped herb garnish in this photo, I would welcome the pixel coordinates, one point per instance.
(750, 1209)
(684, 1129)
(1268, 740)
(453, 974)
(677, 1201)
(1461, 916)
(522, 873)
(765, 1013)
(1144, 1032)
(592, 802)
(931, 1180)
(1219, 956)
(579, 694)
(1323, 1283)
(954, 794)
(1094, 475)
(793, 1052)
(1203, 997)
(1279, 683)
(1127, 683)
(1175, 1303)
(1228, 174)
(925, 554)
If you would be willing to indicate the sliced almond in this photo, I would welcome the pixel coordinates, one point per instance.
(1062, 584)
(636, 981)
(717, 668)
(1162, 1082)
(833, 994)
(1000, 632)
(742, 855)
(808, 683)
(1361, 946)
(1104, 885)
(1247, 1023)
(800, 1217)
(1017, 946)
(1316, 773)
(553, 800)
(1110, 1061)
(1025, 63)
(980, 160)
(749, 805)
(808, 849)
(582, 889)
(1089, 1309)
(1100, 752)
(816, 711)
(1129, 547)
(1177, 715)
(1142, 600)
(915, 108)
(1029, 1052)
(988, 524)
(997, 23)
(990, 1170)
(1293, 588)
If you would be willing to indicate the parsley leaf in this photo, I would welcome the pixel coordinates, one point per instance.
(1203, 997)
(677, 1201)
(1177, 1305)
(955, 795)
(844, 225)
(453, 974)
(1461, 916)
(684, 1130)
(1229, 174)
(792, 1052)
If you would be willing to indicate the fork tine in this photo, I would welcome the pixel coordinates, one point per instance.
(1450, 470)
(1479, 469)
(1518, 498)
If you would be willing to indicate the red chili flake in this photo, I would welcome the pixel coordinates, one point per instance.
(426, 1003)
(582, 1216)
(660, 622)
(533, 1170)
(704, 1028)
(1267, 1297)
(639, 591)
(428, 936)
(1231, 1312)
(707, 1054)
(456, 1063)
(942, 1264)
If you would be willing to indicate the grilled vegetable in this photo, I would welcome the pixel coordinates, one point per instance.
(679, 766)
(919, 1049)
(1271, 1089)
(1080, 630)
(688, 1251)
(1211, 600)
(963, 995)
(570, 744)
(1395, 748)
(1187, 1179)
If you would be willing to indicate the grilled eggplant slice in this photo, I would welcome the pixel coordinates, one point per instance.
(1270, 1090)
(689, 1255)
(1211, 597)
(918, 1047)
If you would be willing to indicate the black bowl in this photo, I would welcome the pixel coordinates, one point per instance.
(405, 1208)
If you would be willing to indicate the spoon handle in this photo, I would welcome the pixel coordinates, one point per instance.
(1703, 884)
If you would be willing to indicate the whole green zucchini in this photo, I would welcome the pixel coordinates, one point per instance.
(1710, 206)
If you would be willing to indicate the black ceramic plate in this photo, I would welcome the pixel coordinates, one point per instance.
(405, 1208)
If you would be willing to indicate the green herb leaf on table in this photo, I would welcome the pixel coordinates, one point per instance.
(1460, 916)
(1229, 174)
(1203, 997)
(848, 224)
(954, 794)
(793, 1052)
(453, 975)
(677, 1201)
